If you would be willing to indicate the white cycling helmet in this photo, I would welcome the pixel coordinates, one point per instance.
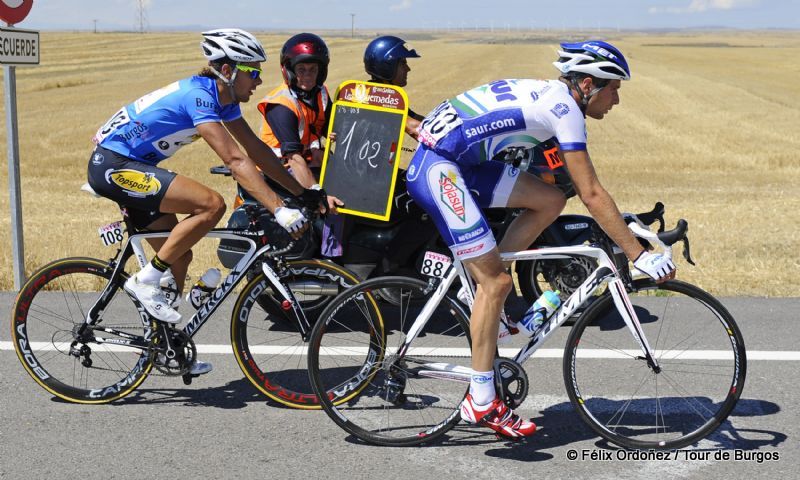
(595, 58)
(232, 43)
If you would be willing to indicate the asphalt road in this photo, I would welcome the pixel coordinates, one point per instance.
(221, 427)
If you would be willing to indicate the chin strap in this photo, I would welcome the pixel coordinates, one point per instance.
(228, 83)
(584, 98)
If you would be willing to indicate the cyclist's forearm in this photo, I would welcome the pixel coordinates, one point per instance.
(271, 166)
(246, 174)
(604, 210)
(301, 171)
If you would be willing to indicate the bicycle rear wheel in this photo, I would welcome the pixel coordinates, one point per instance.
(266, 339)
(700, 353)
(47, 314)
(366, 386)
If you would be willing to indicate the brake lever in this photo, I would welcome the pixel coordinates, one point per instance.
(686, 253)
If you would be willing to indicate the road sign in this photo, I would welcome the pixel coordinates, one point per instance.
(19, 47)
(14, 11)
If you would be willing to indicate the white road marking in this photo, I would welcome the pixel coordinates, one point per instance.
(752, 355)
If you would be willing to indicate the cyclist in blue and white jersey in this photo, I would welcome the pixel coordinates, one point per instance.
(123, 166)
(452, 176)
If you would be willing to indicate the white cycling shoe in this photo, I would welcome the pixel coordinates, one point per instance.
(153, 300)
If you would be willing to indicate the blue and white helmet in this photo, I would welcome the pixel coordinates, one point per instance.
(593, 57)
(232, 43)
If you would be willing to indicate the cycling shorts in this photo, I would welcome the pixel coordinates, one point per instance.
(138, 187)
(454, 194)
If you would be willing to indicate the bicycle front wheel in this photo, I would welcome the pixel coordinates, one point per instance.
(48, 312)
(373, 388)
(699, 378)
(266, 339)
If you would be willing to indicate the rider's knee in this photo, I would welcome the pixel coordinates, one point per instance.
(215, 206)
(499, 285)
(554, 204)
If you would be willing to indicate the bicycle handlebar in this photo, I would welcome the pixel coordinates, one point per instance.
(220, 170)
(665, 239)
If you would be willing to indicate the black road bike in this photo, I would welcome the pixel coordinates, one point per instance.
(89, 347)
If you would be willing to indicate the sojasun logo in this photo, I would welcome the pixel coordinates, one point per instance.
(452, 196)
(139, 184)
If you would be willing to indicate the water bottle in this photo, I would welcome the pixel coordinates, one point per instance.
(201, 290)
(542, 308)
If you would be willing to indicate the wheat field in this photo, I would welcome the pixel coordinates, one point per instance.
(708, 125)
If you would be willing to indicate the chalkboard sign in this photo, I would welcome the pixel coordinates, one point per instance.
(360, 166)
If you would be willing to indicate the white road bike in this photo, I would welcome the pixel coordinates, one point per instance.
(645, 366)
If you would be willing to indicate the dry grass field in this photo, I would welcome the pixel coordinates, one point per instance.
(708, 125)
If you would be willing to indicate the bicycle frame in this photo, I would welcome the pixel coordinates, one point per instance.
(133, 246)
(605, 273)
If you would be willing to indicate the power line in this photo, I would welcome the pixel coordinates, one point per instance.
(142, 15)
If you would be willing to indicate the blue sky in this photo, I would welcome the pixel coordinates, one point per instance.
(371, 15)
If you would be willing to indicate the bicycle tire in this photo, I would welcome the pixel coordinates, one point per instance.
(50, 307)
(700, 352)
(267, 343)
(356, 374)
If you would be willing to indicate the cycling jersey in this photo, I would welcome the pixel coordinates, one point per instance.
(452, 175)
(475, 125)
(155, 126)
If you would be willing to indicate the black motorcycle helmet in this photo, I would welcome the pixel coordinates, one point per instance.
(383, 55)
(304, 47)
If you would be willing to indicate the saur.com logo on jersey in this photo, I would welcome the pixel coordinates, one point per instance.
(560, 110)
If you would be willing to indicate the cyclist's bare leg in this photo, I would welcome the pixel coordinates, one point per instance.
(494, 285)
(180, 266)
(205, 208)
(542, 203)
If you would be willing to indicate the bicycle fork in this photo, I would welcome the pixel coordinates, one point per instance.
(628, 313)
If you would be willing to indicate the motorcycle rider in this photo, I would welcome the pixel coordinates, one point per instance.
(452, 160)
(296, 113)
(385, 60)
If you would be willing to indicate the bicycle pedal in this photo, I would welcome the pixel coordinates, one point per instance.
(503, 438)
(187, 378)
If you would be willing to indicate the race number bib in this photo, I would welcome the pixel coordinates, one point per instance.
(119, 119)
(435, 264)
(111, 233)
(438, 124)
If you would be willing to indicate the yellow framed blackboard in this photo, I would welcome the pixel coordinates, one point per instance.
(360, 165)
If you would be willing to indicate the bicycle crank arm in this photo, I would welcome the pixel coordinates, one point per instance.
(444, 371)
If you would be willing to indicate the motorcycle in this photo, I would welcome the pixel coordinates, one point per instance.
(400, 246)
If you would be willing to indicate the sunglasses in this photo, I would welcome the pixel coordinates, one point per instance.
(252, 71)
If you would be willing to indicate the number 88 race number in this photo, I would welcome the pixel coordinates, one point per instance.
(435, 264)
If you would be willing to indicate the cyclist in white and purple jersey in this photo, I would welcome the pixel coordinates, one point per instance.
(452, 177)
(140, 135)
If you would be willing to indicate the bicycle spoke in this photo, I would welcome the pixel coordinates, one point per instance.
(685, 397)
(53, 306)
(396, 405)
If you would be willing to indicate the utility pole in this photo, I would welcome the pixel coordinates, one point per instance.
(142, 16)
(95, 25)
(352, 25)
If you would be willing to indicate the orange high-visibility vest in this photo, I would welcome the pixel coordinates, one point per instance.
(306, 116)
